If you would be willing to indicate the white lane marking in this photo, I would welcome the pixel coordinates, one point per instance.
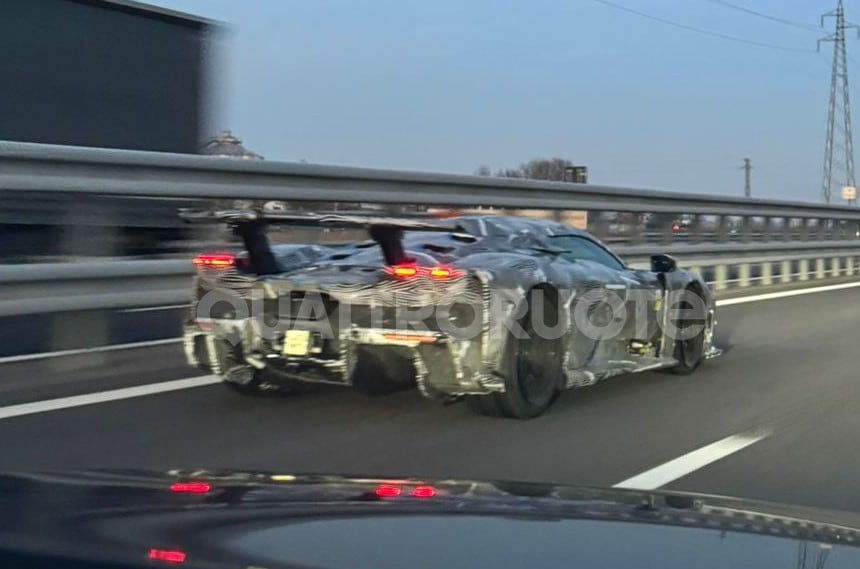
(785, 293)
(105, 396)
(690, 462)
(155, 308)
(93, 350)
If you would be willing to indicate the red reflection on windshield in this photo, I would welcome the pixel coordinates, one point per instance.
(190, 487)
(387, 491)
(423, 492)
(167, 555)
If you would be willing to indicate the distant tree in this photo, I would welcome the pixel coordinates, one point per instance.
(537, 169)
(546, 169)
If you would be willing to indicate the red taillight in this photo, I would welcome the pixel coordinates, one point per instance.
(676, 227)
(190, 487)
(168, 555)
(387, 491)
(409, 271)
(423, 492)
(215, 261)
(444, 273)
(402, 271)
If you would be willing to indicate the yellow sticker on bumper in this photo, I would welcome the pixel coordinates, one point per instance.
(297, 342)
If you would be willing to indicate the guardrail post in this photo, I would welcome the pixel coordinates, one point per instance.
(849, 266)
(839, 230)
(803, 270)
(744, 275)
(666, 221)
(634, 228)
(766, 273)
(720, 277)
(786, 228)
(805, 229)
(600, 227)
(745, 229)
(638, 228)
(785, 272)
(722, 228)
(696, 229)
(819, 268)
(835, 268)
(766, 228)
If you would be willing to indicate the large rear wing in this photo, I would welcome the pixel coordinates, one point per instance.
(239, 216)
(250, 225)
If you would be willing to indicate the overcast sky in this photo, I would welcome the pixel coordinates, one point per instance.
(448, 85)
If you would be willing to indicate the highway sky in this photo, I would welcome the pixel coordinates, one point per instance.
(447, 85)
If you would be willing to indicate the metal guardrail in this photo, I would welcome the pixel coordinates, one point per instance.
(60, 288)
(38, 167)
(735, 253)
(68, 287)
(65, 287)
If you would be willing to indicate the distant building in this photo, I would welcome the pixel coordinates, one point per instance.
(228, 146)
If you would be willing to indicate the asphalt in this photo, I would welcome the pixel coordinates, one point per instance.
(790, 370)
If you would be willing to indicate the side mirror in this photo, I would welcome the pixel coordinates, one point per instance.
(663, 263)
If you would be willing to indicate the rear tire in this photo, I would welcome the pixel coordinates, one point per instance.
(534, 371)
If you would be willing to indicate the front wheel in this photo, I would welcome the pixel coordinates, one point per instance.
(689, 331)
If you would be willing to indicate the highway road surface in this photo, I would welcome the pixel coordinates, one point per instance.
(776, 417)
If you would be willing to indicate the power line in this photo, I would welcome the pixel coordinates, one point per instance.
(798, 25)
(699, 30)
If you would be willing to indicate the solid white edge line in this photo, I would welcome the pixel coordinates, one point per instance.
(154, 308)
(785, 293)
(105, 396)
(690, 462)
(92, 350)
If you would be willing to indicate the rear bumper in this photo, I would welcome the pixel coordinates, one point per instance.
(440, 365)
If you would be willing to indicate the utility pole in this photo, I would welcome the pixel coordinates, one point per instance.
(838, 110)
(747, 170)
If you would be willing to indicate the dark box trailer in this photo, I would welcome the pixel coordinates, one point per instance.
(108, 73)
(100, 73)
